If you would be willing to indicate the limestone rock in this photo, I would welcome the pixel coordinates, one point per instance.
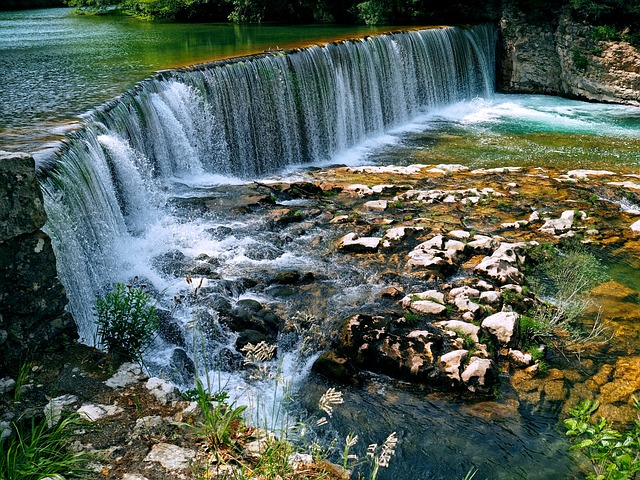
(353, 243)
(95, 412)
(165, 392)
(452, 361)
(377, 205)
(128, 374)
(171, 456)
(565, 222)
(480, 375)
(463, 327)
(56, 406)
(503, 326)
(519, 359)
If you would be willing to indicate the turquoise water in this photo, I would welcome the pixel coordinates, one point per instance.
(55, 66)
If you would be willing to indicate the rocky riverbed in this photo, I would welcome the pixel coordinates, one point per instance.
(444, 250)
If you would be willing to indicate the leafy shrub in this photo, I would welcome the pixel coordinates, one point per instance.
(614, 454)
(604, 33)
(126, 321)
(580, 61)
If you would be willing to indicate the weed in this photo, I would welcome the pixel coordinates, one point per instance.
(580, 61)
(222, 423)
(23, 373)
(36, 452)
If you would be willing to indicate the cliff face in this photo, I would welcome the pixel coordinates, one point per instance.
(32, 299)
(559, 58)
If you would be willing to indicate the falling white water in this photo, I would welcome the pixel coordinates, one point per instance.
(108, 191)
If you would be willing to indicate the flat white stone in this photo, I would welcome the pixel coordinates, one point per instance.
(95, 412)
(352, 242)
(128, 374)
(171, 456)
(635, 228)
(359, 190)
(587, 173)
(378, 205)
(631, 185)
(427, 307)
(459, 234)
(466, 290)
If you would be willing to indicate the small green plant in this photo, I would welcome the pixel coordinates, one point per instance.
(126, 321)
(604, 33)
(614, 454)
(36, 451)
(23, 373)
(580, 61)
(223, 423)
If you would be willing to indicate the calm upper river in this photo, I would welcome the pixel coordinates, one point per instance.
(55, 66)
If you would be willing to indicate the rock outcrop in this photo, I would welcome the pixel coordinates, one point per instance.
(32, 299)
(557, 56)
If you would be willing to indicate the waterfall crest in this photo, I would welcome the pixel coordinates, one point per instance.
(243, 118)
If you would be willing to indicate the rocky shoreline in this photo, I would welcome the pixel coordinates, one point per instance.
(447, 250)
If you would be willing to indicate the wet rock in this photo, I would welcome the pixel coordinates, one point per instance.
(480, 375)
(172, 263)
(392, 291)
(250, 336)
(169, 329)
(519, 359)
(336, 367)
(264, 252)
(281, 217)
(249, 304)
(164, 392)
(183, 366)
(353, 243)
(452, 361)
(503, 326)
(171, 456)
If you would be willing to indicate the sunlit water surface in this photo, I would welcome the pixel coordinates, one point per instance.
(55, 66)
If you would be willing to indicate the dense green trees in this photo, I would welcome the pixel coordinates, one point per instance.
(347, 11)
(621, 16)
(26, 4)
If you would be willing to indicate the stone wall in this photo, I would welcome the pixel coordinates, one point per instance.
(32, 299)
(558, 57)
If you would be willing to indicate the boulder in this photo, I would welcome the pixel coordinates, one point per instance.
(95, 412)
(503, 326)
(463, 327)
(171, 456)
(353, 243)
(480, 375)
(452, 361)
(164, 392)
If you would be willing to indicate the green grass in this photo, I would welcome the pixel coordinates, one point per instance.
(36, 451)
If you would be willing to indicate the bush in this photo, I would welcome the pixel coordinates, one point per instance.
(604, 33)
(126, 321)
(613, 454)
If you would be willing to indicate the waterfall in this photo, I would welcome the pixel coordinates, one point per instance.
(244, 118)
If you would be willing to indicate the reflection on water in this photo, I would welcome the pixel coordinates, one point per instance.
(442, 438)
(55, 66)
